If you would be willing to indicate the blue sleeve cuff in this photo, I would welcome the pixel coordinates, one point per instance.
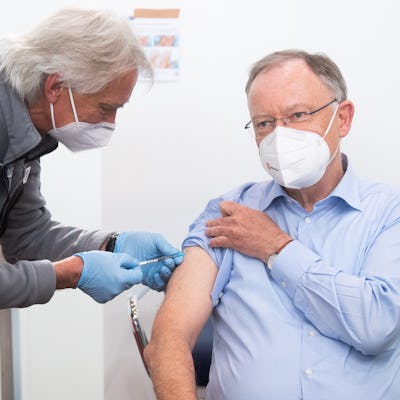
(290, 265)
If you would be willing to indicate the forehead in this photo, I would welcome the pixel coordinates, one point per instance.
(289, 84)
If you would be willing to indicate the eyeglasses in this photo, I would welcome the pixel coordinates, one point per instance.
(263, 127)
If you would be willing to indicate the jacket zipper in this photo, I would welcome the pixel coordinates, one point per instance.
(12, 197)
(9, 172)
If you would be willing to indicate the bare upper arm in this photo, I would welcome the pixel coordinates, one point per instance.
(187, 303)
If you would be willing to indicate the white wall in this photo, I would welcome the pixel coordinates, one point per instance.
(362, 38)
(182, 144)
(60, 351)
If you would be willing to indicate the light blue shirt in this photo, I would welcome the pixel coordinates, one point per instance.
(325, 324)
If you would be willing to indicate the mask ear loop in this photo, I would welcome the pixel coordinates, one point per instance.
(73, 105)
(53, 122)
(331, 122)
(327, 131)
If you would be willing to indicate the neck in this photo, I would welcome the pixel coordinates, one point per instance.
(309, 196)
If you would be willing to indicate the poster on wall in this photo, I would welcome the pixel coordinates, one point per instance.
(158, 33)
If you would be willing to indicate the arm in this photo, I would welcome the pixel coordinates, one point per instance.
(185, 310)
(101, 275)
(68, 272)
(26, 283)
(359, 309)
(32, 235)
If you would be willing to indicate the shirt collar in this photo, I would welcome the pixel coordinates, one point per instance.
(347, 189)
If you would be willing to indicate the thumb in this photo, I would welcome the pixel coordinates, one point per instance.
(228, 208)
(127, 261)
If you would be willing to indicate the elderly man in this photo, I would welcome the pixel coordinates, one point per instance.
(64, 82)
(302, 273)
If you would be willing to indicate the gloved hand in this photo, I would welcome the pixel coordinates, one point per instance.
(106, 274)
(145, 246)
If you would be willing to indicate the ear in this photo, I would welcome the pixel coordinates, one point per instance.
(345, 114)
(53, 88)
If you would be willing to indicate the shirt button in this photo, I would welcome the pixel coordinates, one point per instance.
(308, 371)
(307, 220)
(311, 333)
(283, 284)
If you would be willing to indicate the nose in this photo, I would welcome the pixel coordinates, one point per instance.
(280, 121)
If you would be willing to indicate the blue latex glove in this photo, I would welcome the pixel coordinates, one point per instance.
(105, 274)
(145, 246)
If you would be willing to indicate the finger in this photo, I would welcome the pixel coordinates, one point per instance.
(218, 222)
(220, 241)
(133, 276)
(169, 264)
(158, 283)
(218, 231)
(179, 258)
(165, 273)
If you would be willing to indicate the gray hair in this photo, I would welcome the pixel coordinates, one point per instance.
(319, 63)
(88, 48)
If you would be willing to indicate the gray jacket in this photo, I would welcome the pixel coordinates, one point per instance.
(30, 239)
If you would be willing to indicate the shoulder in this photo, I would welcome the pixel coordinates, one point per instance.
(382, 198)
(370, 190)
(245, 190)
(238, 194)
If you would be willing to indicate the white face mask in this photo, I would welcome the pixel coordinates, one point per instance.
(78, 136)
(294, 158)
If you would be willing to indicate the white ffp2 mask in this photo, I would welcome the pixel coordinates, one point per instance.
(78, 136)
(294, 158)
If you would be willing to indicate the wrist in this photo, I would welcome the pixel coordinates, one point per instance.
(68, 272)
(283, 245)
(269, 260)
(111, 242)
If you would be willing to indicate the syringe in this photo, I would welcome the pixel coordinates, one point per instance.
(154, 260)
(158, 259)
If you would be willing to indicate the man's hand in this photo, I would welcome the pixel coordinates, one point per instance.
(246, 230)
(144, 246)
(105, 274)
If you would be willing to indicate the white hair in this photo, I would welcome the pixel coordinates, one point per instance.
(87, 48)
